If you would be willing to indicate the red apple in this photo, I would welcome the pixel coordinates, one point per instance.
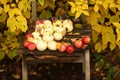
(32, 46)
(26, 43)
(69, 49)
(38, 22)
(78, 43)
(86, 40)
(29, 35)
(62, 47)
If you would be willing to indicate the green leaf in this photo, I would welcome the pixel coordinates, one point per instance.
(2, 54)
(77, 25)
(102, 63)
(98, 47)
(12, 53)
(45, 14)
(97, 56)
(41, 2)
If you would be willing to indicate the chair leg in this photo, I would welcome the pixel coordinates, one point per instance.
(24, 70)
(87, 65)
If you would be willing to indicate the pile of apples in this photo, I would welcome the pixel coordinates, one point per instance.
(47, 35)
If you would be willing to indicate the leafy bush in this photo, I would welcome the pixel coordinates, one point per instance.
(14, 22)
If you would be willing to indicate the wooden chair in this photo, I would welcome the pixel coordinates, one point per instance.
(34, 56)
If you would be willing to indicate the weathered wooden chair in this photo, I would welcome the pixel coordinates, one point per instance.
(80, 56)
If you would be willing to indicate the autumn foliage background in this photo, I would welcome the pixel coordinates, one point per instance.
(102, 15)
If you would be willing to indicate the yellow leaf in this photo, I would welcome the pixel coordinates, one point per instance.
(3, 1)
(16, 1)
(105, 5)
(78, 14)
(85, 6)
(118, 34)
(118, 44)
(78, 8)
(27, 14)
(79, 3)
(14, 45)
(104, 46)
(14, 11)
(72, 4)
(11, 13)
(97, 28)
(1, 9)
(21, 5)
(116, 24)
(22, 20)
(11, 23)
(95, 35)
(6, 7)
(4, 46)
(3, 17)
(96, 8)
(85, 13)
(73, 9)
(112, 5)
(118, 6)
(105, 39)
(98, 47)
(41, 2)
(112, 46)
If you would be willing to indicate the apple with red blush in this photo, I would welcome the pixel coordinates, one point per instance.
(26, 43)
(39, 22)
(62, 47)
(86, 40)
(29, 35)
(70, 49)
(32, 46)
(78, 43)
